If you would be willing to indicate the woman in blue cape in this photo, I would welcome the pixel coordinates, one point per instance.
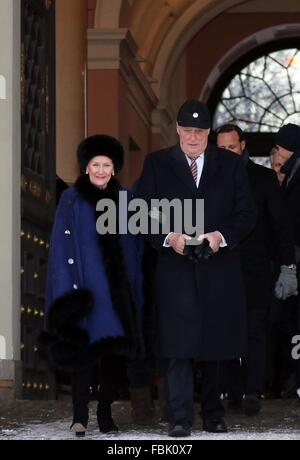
(94, 287)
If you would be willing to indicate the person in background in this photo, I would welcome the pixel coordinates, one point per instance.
(256, 265)
(94, 288)
(287, 147)
(276, 164)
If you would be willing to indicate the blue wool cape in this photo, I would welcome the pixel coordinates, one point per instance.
(77, 266)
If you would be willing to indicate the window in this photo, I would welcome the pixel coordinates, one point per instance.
(264, 95)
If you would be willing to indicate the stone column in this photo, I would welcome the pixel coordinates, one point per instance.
(10, 172)
(120, 98)
(71, 26)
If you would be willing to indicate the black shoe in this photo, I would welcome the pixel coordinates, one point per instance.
(252, 404)
(78, 429)
(105, 420)
(178, 430)
(215, 425)
(107, 425)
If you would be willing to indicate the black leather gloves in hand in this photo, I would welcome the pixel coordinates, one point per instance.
(203, 251)
(188, 251)
(286, 285)
(199, 252)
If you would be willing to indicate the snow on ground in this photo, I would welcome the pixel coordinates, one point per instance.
(60, 431)
(50, 420)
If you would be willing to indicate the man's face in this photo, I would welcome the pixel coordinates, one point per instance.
(193, 141)
(283, 154)
(231, 141)
(276, 164)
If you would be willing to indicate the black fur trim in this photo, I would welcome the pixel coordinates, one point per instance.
(71, 356)
(61, 325)
(67, 346)
(93, 194)
(69, 309)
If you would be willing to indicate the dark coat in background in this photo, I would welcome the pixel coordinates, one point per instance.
(291, 191)
(94, 288)
(201, 307)
(271, 234)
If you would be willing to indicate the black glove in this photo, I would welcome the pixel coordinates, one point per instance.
(199, 252)
(203, 251)
(188, 251)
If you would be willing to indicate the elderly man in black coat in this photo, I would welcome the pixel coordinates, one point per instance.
(271, 226)
(201, 306)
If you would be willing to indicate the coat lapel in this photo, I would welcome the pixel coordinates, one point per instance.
(211, 164)
(180, 166)
(294, 180)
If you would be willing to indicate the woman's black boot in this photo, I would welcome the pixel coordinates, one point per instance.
(105, 420)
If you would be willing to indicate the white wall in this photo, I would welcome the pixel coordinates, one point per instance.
(10, 170)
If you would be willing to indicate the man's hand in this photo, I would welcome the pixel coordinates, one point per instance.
(214, 239)
(177, 242)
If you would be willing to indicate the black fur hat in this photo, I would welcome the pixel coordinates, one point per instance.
(100, 144)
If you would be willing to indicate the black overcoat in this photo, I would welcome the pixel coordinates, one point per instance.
(270, 238)
(291, 190)
(201, 308)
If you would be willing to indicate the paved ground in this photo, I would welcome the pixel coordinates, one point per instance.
(279, 419)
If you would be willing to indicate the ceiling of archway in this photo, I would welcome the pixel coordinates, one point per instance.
(163, 28)
(150, 22)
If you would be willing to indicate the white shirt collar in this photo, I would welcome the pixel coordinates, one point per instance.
(199, 158)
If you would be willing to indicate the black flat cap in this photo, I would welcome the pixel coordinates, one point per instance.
(194, 114)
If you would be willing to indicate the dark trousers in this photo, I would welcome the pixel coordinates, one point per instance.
(284, 323)
(248, 376)
(179, 376)
(107, 376)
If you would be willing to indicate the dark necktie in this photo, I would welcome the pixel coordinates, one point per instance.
(194, 168)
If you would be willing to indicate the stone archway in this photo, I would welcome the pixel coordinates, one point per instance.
(243, 47)
(189, 24)
(164, 50)
(158, 53)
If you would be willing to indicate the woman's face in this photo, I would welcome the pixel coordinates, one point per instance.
(100, 169)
